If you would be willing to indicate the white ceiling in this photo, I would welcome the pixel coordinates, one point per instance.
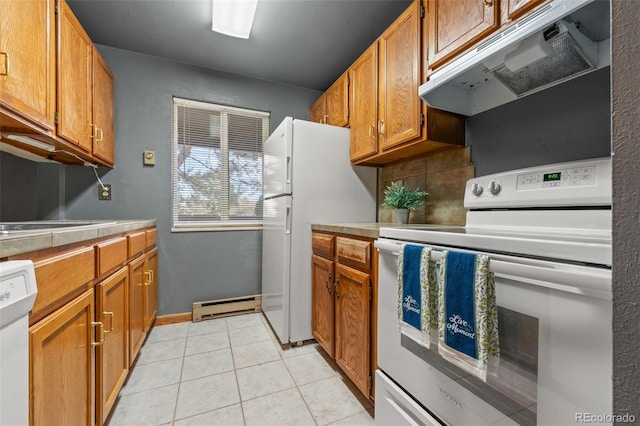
(306, 43)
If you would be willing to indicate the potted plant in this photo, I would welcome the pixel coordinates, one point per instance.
(401, 199)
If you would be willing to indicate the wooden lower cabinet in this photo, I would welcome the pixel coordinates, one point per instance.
(352, 316)
(151, 284)
(343, 314)
(92, 313)
(62, 373)
(112, 357)
(322, 305)
(137, 296)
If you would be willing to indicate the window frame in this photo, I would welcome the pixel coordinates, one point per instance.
(224, 224)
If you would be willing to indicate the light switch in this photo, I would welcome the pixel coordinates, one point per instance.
(149, 158)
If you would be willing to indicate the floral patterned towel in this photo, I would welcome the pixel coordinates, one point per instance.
(417, 294)
(467, 313)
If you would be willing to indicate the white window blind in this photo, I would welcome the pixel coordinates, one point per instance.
(217, 166)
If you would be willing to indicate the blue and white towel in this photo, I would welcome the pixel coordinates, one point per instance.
(417, 294)
(468, 314)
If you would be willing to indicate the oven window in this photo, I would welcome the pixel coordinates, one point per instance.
(517, 373)
(511, 387)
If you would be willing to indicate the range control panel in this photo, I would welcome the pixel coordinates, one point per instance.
(571, 177)
(571, 184)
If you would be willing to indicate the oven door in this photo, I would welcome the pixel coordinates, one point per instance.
(555, 347)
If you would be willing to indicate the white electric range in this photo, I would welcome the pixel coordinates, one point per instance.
(547, 230)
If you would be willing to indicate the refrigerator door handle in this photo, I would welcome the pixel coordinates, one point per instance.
(287, 229)
(288, 177)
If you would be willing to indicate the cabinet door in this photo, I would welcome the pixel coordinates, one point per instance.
(27, 60)
(455, 25)
(322, 302)
(151, 284)
(513, 9)
(337, 102)
(399, 106)
(62, 376)
(363, 76)
(137, 296)
(318, 111)
(74, 80)
(353, 313)
(102, 113)
(112, 357)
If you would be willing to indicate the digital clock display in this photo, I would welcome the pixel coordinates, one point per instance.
(551, 177)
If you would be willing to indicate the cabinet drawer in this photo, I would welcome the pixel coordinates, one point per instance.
(355, 253)
(111, 254)
(151, 237)
(136, 243)
(323, 244)
(60, 275)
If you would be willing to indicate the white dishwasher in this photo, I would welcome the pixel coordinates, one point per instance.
(17, 293)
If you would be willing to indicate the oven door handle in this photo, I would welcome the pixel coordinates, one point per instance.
(589, 281)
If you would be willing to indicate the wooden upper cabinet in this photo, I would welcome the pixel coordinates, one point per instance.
(363, 76)
(27, 63)
(318, 110)
(102, 112)
(337, 102)
(399, 106)
(455, 25)
(333, 106)
(75, 58)
(513, 9)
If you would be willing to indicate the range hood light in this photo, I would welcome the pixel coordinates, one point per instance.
(529, 51)
(30, 141)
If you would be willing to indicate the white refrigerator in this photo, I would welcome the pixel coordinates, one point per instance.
(308, 178)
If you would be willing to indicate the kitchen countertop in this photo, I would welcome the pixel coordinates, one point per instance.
(27, 241)
(364, 229)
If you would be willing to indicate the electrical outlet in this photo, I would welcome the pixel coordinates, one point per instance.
(104, 193)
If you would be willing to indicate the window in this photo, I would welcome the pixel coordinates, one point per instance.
(217, 166)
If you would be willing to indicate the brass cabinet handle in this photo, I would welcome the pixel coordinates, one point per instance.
(335, 287)
(381, 127)
(6, 63)
(147, 276)
(110, 315)
(101, 325)
(326, 283)
(487, 3)
(325, 120)
(371, 130)
(99, 135)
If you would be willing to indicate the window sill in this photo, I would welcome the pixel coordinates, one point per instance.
(218, 227)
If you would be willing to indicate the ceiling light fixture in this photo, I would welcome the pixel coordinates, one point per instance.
(233, 17)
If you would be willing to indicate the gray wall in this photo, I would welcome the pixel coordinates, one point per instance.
(626, 207)
(18, 188)
(567, 122)
(192, 266)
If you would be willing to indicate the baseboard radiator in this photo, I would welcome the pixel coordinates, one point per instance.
(225, 307)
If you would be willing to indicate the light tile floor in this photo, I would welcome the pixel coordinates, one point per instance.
(232, 371)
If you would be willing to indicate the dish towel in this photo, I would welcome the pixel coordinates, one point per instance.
(417, 294)
(467, 313)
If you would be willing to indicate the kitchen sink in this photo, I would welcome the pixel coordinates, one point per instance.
(9, 228)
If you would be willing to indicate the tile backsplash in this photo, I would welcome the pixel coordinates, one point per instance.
(442, 175)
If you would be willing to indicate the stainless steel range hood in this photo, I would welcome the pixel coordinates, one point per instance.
(560, 41)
